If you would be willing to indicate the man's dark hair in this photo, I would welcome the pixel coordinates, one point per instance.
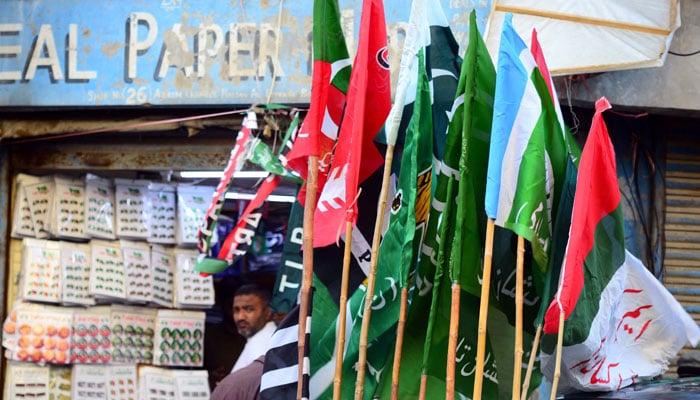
(254, 289)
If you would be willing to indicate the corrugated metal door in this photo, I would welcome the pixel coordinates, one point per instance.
(681, 273)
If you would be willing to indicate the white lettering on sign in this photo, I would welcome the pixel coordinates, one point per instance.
(184, 58)
(45, 44)
(241, 40)
(10, 51)
(205, 50)
(73, 73)
(134, 46)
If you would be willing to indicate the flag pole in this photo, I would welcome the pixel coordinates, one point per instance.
(308, 263)
(398, 347)
(452, 343)
(518, 356)
(531, 363)
(423, 386)
(372, 277)
(338, 378)
(483, 310)
(557, 368)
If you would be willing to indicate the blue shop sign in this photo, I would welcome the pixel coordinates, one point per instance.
(177, 52)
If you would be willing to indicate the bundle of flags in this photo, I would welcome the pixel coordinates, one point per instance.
(478, 144)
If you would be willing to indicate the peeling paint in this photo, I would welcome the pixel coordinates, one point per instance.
(111, 49)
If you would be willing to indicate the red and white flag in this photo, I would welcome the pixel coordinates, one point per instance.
(356, 156)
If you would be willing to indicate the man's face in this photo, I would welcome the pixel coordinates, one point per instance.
(250, 314)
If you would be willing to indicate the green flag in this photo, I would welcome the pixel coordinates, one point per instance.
(426, 346)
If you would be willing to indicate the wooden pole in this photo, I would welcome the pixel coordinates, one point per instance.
(398, 348)
(338, 378)
(308, 263)
(372, 277)
(423, 386)
(483, 311)
(531, 363)
(518, 353)
(557, 368)
(452, 343)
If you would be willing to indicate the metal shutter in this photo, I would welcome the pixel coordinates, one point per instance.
(681, 274)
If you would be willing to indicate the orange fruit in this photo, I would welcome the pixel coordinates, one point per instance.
(62, 345)
(25, 329)
(10, 327)
(60, 357)
(64, 332)
(24, 342)
(38, 329)
(51, 330)
(48, 355)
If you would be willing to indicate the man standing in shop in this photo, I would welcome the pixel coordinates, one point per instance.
(252, 315)
(253, 318)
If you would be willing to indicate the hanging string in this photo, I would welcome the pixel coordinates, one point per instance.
(278, 35)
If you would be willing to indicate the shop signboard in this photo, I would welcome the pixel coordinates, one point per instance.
(177, 52)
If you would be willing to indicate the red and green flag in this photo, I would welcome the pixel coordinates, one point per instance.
(356, 156)
(622, 325)
(330, 78)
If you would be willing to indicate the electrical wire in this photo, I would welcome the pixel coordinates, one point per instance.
(684, 54)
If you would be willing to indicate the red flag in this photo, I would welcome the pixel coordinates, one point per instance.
(241, 237)
(538, 55)
(331, 73)
(597, 195)
(356, 157)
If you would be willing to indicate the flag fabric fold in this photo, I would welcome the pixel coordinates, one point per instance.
(281, 370)
(425, 344)
(400, 243)
(356, 156)
(622, 324)
(327, 280)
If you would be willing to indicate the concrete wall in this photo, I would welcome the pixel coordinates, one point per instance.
(673, 88)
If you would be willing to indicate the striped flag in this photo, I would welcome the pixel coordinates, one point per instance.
(527, 157)
(281, 370)
(622, 324)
